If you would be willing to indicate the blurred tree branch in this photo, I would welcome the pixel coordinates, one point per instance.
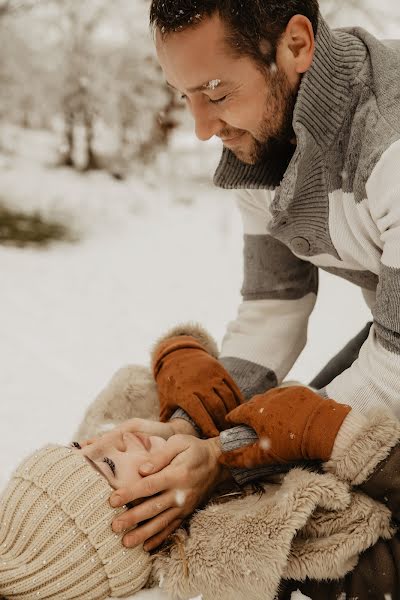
(12, 7)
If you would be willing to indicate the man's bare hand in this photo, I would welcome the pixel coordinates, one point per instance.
(181, 477)
(164, 430)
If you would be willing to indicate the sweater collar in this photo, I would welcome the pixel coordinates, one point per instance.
(322, 105)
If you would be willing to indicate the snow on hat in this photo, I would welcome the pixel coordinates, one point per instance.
(56, 539)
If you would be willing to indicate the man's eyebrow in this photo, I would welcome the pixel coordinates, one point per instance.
(203, 87)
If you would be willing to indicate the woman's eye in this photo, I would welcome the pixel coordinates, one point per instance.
(218, 101)
(110, 463)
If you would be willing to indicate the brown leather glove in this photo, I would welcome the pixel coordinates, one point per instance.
(292, 424)
(189, 377)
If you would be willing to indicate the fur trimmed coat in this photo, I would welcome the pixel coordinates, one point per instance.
(324, 534)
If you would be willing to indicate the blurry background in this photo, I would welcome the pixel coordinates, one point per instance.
(110, 228)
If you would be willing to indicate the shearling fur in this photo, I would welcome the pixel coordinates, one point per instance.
(309, 525)
(371, 446)
(131, 393)
(193, 329)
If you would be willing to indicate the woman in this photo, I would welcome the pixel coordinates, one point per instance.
(55, 535)
(56, 539)
(353, 542)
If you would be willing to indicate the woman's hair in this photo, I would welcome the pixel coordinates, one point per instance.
(254, 26)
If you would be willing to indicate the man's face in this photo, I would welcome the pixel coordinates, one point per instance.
(118, 456)
(229, 96)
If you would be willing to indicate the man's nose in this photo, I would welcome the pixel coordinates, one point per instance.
(206, 123)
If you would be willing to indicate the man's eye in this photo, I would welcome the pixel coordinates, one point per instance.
(110, 463)
(219, 100)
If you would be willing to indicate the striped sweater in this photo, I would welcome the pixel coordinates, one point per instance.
(332, 202)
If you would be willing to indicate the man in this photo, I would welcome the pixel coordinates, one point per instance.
(309, 119)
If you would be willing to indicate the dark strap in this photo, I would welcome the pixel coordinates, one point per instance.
(342, 360)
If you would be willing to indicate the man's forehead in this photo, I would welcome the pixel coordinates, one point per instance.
(197, 59)
(204, 43)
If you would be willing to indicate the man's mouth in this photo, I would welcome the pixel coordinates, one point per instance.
(231, 141)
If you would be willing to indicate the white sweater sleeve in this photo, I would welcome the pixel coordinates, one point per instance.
(374, 378)
(279, 293)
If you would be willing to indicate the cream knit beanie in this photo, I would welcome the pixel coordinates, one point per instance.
(56, 539)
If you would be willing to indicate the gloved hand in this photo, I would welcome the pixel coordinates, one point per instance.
(292, 424)
(189, 377)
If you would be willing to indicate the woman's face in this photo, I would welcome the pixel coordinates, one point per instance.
(118, 456)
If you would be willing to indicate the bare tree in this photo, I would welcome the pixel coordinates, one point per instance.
(79, 22)
(13, 7)
(118, 85)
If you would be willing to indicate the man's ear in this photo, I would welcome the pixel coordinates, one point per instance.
(298, 44)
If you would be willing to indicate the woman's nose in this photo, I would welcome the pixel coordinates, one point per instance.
(114, 440)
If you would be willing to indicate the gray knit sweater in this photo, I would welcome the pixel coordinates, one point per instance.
(333, 202)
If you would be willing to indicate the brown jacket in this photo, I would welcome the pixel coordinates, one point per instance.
(377, 573)
(331, 536)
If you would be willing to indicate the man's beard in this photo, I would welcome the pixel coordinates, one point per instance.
(273, 138)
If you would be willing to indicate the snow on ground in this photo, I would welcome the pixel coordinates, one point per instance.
(154, 255)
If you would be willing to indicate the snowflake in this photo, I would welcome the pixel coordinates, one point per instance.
(180, 497)
(213, 84)
(265, 444)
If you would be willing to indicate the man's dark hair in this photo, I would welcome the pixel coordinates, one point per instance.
(254, 26)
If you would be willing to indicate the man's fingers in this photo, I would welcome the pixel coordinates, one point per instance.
(149, 486)
(151, 528)
(88, 442)
(147, 426)
(146, 510)
(164, 457)
(158, 539)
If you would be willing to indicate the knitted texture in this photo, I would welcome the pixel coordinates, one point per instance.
(292, 423)
(56, 539)
(330, 202)
(190, 378)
